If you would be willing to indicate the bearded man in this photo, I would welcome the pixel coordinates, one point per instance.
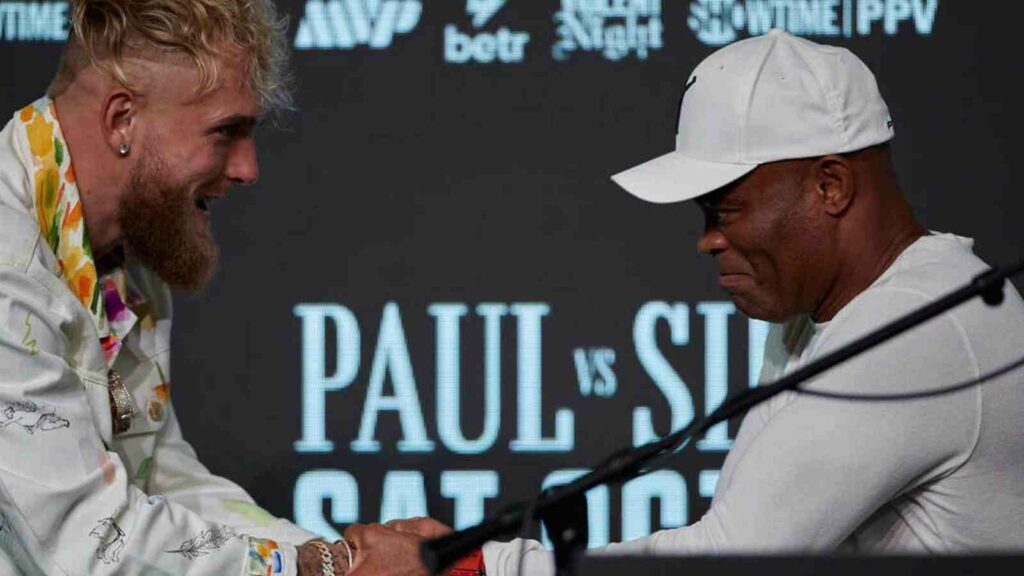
(105, 189)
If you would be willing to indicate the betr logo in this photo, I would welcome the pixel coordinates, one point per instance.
(345, 24)
(484, 47)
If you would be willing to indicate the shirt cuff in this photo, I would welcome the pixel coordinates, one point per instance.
(503, 558)
(283, 531)
(271, 558)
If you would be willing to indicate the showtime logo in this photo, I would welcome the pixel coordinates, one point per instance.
(719, 22)
(33, 21)
(345, 24)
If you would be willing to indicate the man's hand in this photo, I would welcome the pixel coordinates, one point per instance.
(421, 526)
(382, 551)
(392, 549)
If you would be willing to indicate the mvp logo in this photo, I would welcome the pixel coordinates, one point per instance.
(719, 22)
(33, 21)
(345, 24)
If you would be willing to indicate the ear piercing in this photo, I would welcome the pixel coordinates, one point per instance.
(123, 149)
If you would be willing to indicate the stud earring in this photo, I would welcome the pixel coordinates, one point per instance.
(123, 149)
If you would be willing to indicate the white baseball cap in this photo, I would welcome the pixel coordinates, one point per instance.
(763, 99)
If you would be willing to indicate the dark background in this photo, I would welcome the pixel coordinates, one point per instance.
(404, 179)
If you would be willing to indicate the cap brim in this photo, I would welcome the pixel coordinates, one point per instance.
(674, 178)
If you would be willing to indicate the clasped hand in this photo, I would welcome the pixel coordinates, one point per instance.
(391, 549)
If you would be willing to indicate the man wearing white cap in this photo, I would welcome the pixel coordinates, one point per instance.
(782, 143)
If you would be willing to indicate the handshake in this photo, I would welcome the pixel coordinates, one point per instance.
(391, 549)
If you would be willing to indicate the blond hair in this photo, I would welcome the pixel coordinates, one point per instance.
(103, 31)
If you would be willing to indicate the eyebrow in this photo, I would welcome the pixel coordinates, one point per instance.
(239, 120)
(711, 199)
(725, 195)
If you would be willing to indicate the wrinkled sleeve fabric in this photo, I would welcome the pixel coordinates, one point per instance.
(179, 476)
(806, 471)
(66, 505)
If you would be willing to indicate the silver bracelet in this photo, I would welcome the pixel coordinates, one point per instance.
(326, 559)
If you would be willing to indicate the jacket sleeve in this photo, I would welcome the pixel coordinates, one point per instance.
(180, 477)
(66, 504)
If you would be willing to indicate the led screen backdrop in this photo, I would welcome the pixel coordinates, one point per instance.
(435, 301)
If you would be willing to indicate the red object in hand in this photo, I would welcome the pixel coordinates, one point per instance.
(471, 565)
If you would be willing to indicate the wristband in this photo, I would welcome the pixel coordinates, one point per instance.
(471, 565)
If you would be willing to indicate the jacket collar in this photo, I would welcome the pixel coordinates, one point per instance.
(58, 210)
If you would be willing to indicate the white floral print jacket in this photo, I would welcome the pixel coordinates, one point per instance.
(75, 498)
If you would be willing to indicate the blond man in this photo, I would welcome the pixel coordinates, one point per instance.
(105, 190)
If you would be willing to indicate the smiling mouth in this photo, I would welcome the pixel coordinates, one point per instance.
(203, 203)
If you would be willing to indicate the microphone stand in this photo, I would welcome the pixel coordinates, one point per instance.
(563, 508)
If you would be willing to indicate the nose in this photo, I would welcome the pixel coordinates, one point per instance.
(243, 167)
(712, 241)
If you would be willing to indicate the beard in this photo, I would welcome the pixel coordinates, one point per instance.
(162, 228)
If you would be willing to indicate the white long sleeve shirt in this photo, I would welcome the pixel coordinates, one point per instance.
(75, 498)
(936, 475)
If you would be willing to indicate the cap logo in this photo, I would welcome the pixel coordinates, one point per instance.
(689, 83)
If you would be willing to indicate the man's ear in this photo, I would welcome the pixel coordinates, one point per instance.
(835, 182)
(119, 110)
